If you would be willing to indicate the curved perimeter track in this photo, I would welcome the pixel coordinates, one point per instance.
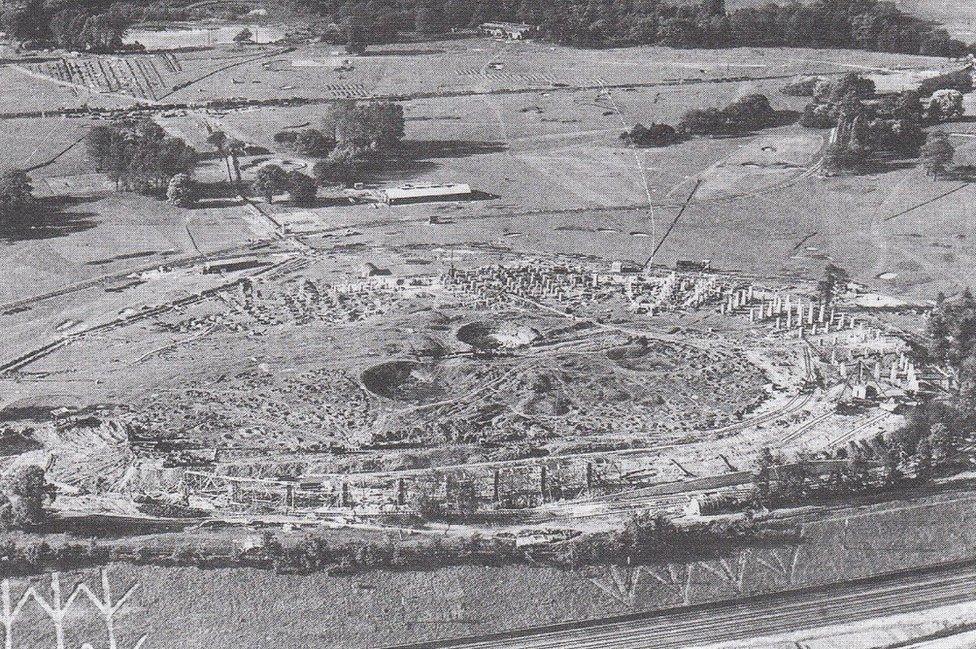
(736, 621)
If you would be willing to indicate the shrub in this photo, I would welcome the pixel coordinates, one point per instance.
(802, 87)
(653, 135)
(301, 188)
(285, 137)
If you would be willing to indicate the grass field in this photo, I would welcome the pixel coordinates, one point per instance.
(192, 607)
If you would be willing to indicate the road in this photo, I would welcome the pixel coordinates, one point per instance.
(904, 592)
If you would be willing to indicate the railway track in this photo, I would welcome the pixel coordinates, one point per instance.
(752, 617)
(849, 435)
(38, 353)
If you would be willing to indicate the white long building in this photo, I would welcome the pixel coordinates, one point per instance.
(419, 193)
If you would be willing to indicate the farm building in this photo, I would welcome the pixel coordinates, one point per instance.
(514, 31)
(425, 193)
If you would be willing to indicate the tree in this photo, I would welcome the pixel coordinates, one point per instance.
(834, 279)
(137, 154)
(945, 105)
(356, 38)
(386, 124)
(26, 488)
(937, 154)
(270, 180)
(244, 36)
(653, 135)
(841, 156)
(312, 142)
(27, 22)
(939, 43)
(951, 330)
(218, 140)
(301, 188)
(182, 191)
(341, 167)
(234, 149)
(764, 466)
(375, 126)
(347, 125)
(79, 28)
(749, 113)
(702, 121)
(429, 18)
(16, 196)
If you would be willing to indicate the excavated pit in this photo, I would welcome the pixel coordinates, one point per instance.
(405, 381)
(496, 335)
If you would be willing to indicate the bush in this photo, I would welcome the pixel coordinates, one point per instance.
(802, 87)
(285, 137)
(653, 135)
(16, 196)
(301, 188)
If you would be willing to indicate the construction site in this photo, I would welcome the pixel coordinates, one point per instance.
(509, 389)
(510, 321)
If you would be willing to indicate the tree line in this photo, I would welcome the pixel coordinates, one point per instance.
(857, 24)
(868, 124)
(749, 113)
(74, 26)
(137, 154)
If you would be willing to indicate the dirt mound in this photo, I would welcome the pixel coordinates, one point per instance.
(496, 335)
(639, 357)
(403, 381)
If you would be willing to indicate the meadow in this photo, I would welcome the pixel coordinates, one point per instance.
(177, 607)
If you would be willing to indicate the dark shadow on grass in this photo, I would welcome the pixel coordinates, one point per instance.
(786, 118)
(49, 219)
(962, 173)
(780, 119)
(411, 52)
(320, 201)
(885, 165)
(416, 157)
(432, 149)
(218, 194)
